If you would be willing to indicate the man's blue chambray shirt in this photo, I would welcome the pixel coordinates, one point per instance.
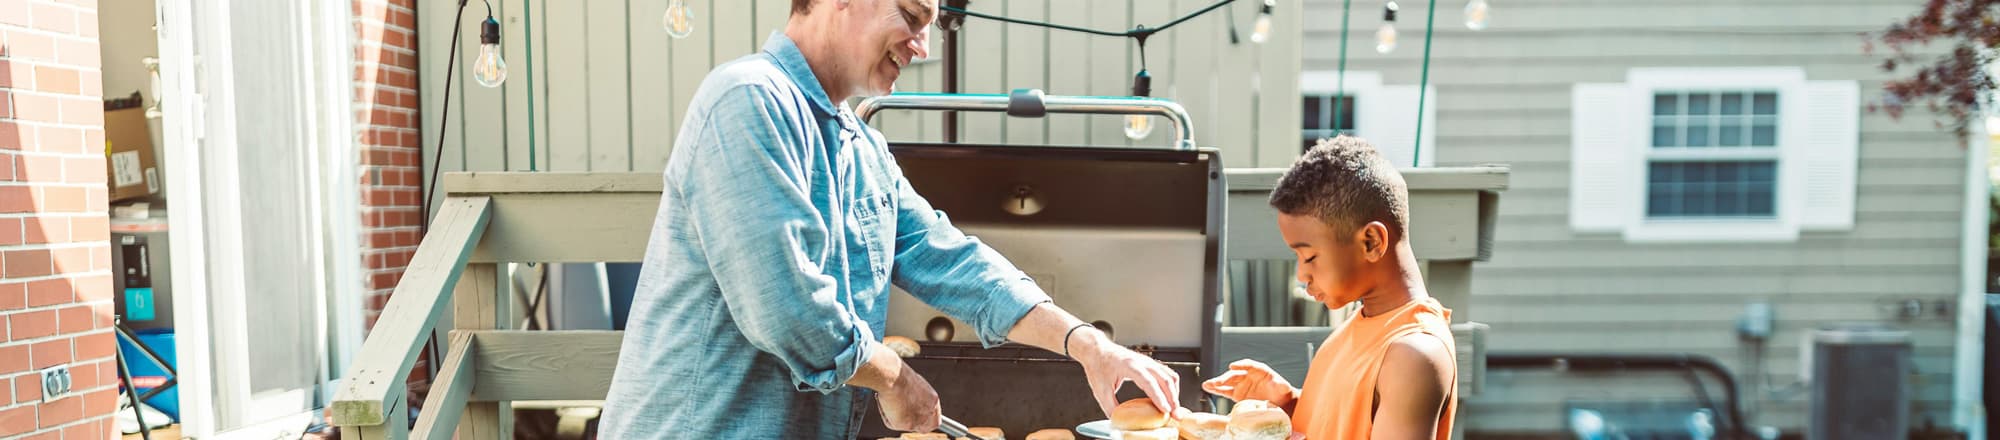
(781, 226)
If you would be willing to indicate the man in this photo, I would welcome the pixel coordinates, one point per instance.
(1391, 372)
(782, 225)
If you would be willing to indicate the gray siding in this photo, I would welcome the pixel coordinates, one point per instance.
(1504, 98)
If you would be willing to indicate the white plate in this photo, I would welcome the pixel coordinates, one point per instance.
(1100, 429)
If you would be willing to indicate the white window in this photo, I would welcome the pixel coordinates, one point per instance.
(1713, 154)
(1385, 115)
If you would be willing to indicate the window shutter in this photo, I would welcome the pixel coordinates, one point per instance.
(1602, 195)
(1387, 118)
(1826, 154)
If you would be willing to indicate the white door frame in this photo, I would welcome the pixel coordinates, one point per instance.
(199, 126)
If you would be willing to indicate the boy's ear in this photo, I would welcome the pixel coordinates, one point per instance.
(1374, 239)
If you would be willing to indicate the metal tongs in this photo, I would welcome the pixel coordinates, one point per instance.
(956, 430)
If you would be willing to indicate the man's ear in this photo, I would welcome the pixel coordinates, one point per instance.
(1374, 240)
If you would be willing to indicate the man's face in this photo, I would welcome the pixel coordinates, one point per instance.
(883, 36)
(1329, 261)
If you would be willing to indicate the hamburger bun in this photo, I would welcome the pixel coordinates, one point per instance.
(904, 347)
(1137, 415)
(925, 436)
(987, 432)
(1260, 424)
(1051, 434)
(1250, 405)
(1201, 425)
(1162, 433)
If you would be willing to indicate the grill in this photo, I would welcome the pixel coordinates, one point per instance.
(1126, 238)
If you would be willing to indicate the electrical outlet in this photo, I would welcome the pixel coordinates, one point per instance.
(55, 383)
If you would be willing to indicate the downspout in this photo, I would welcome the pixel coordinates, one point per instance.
(1968, 412)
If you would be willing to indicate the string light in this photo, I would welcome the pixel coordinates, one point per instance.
(1385, 36)
(679, 21)
(1139, 126)
(1261, 30)
(489, 69)
(1476, 14)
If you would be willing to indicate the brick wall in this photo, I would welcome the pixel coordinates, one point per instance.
(55, 253)
(391, 167)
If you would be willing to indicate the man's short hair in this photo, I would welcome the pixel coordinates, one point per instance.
(1345, 183)
(801, 7)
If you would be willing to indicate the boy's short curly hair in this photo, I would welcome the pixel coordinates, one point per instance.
(1345, 183)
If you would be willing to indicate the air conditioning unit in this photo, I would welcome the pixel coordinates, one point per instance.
(1860, 383)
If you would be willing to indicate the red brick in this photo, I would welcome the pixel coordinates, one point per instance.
(85, 170)
(31, 46)
(37, 108)
(30, 325)
(63, 198)
(25, 263)
(12, 296)
(100, 402)
(16, 198)
(86, 430)
(382, 280)
(39, 168)
(27, 388)
(38, 230)
(102, 315)
(49, 353)
(75, 319)
(93, 140)
(50, 292)
(17, 421)
(83, 111)
(6, 166)
(97, 199)
(83, 376)
(55, 79)
(48, 435)
(87, 23)
(13, 359)
(53, 18)
(62, 140)
(95, 346)
(11, 232)
(79, 53)
(91, 83)
(93, 288)
(71, 260)
(14, 12)
(88, 228)
(64, 410)
(13, 137)
(6, 393)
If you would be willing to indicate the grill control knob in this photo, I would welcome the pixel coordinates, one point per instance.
(939, 330)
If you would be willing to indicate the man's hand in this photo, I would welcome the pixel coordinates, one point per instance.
(1108, 365)
(1252, 380)
(907, 401)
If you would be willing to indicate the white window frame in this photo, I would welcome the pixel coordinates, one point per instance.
(1788, 82)
(1378, 106)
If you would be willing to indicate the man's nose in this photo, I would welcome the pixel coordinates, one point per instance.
(920, 47)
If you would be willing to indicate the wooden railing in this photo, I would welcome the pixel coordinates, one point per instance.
(489, 220)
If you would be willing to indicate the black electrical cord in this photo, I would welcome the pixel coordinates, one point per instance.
(1140, 32)
(444, 119)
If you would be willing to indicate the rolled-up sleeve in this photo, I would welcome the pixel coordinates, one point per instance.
(955, 273)
(747, 197)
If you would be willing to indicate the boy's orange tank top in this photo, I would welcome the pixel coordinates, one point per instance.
(1338, 400)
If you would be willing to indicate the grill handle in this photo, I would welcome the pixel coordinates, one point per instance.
(1031, 103)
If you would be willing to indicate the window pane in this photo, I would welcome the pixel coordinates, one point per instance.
(1664, 134)
(1697, 131)
(1765, 103)
(1732, 103)
(1716, 189)
(1731, 133)
(1764, 134)
(1698, 104)
(1666, 104)
(1346, 122)
(1311, 107)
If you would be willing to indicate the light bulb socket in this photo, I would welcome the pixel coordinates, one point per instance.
(1389, 11)
(489, 31)
(1142, 84)
(1268, 6)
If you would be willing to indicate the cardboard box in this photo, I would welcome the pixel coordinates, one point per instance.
(132, 173)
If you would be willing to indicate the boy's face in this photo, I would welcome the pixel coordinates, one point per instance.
(1330, 261)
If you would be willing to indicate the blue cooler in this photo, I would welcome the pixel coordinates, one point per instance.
(146, 375)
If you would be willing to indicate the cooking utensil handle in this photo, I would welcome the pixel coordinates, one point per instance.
(1031, 103)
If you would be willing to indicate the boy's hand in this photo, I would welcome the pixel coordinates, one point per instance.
(1252, 380)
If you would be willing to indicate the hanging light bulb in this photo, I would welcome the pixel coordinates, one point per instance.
(489, 69)
(1385, 36)
(1260, 31)
(679, 21)
(1475, 14)
(1139, 126)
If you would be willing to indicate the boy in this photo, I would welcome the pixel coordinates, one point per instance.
(1391, 372)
